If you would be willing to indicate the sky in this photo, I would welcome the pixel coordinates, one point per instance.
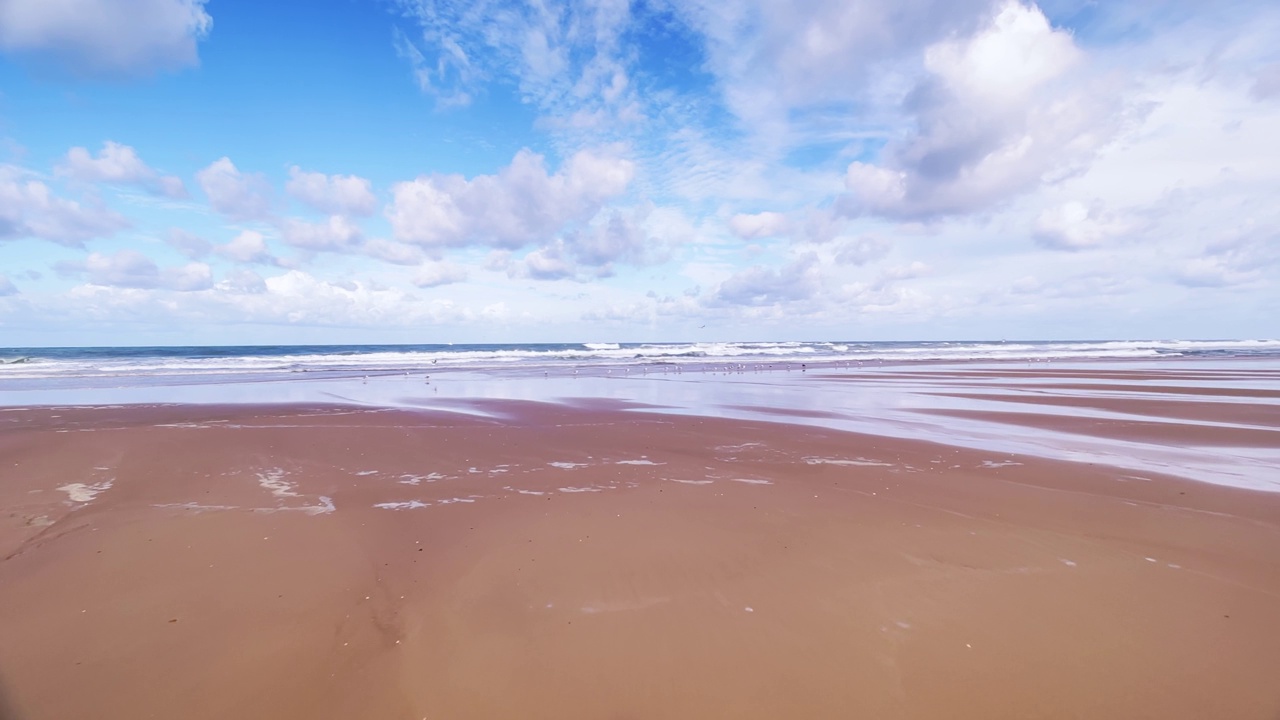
(178, 172)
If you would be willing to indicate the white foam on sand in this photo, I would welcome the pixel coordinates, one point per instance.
(194, 507)
(638, 462)
(363, 473)
(83, 493)
(691, 482)
(752, 481)
(580, 489)
(859, 462)
(408, 479)
(998, 463)
(567, 465)
(325, 507)
(273, 480)
(407, 505)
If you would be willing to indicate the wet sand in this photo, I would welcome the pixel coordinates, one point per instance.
(587, 560)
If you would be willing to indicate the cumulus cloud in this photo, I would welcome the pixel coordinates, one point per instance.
(28, 208)
(761, 285)
(591, 251)
(131, 269)
(120, 165)
(396, 253)
(784, 65)
(759, 225)
(994, 117)
(106, 37)
(621, 237)
(247, 247)
(1239, 259)
(439, 273)
(1076, 226)
(297, 297)
(240, 196)
(337, 234)
(521, 204)
(861, 250)
(6, 286)
(242, 281)
(191, 245)
(332, 194)
(545, 263)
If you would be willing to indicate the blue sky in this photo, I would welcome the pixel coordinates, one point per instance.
(180, 171)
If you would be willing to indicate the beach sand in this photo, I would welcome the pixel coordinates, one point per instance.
(590, 560)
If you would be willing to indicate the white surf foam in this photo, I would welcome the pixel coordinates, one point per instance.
(858, 462)
(273, 481)
(406, 505)
(83, 492)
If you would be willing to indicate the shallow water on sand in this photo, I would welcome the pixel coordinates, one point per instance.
(1208, 420)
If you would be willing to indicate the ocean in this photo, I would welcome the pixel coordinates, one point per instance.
(29, 368)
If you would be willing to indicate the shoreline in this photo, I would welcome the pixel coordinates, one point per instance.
(1211, 421)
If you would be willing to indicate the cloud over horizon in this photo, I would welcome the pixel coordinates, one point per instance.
(858, 169)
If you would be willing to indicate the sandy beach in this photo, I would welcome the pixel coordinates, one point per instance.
(595, 558)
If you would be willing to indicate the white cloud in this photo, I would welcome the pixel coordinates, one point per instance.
(521, 204)
(759, 225)
(567, 60)
(247, 247)
(242, 281)
(760, 285)
(448, 78)
(397, 253)
(1076, 226)
(191, 245)
(6, 286)
(131, 269)
(237, 195)
(337, 234)
(293, 298)
(783, 65)
(1242, 258)
(998, 114)
(619, 237)
(545, 263)
(439, 273)
(28, 208)
(119, 164)
(1267, 83)
(332, 194)
(861, 250)
(590, 252)
(296, 297)
(189, 277)
(106, 37)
